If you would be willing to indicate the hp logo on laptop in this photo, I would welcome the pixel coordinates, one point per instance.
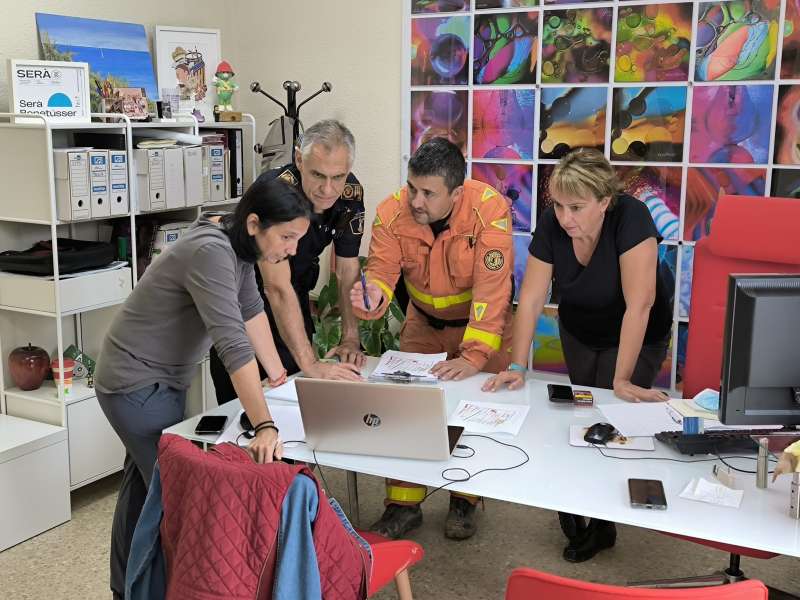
(371, 420)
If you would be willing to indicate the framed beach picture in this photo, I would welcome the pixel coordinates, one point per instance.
(117, 54)
(186, 59)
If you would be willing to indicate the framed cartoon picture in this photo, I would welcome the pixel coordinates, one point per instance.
(186, 58)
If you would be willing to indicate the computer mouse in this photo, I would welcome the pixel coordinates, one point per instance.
(600, 433)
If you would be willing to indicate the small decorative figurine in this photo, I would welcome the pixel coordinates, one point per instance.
(223, 81)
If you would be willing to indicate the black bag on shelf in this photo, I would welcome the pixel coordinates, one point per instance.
(73, 255)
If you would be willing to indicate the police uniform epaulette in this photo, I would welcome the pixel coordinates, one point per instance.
(289, 177)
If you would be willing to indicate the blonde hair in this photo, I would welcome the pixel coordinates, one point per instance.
(585, 172)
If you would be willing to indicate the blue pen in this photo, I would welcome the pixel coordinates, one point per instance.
(364, 289)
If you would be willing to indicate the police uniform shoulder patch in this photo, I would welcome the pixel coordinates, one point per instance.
(494, 260)
(357, 224)
(353, 191)
(288, 177)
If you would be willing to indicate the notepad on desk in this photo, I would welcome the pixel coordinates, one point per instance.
(407, 367)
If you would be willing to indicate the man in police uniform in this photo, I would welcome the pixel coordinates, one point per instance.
(322, 172)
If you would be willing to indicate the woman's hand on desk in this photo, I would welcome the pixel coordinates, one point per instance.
(265, 446)
(513, 379)
(633, 393)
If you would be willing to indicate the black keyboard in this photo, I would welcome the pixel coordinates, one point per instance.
(728, 441)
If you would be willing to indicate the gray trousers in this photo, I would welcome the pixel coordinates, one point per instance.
(138, 417)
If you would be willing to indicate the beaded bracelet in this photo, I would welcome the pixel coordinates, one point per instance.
(279, 380)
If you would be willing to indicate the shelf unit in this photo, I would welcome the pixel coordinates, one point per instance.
(82, 306)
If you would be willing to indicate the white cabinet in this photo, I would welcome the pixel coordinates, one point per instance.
(95, 450)
(34, 480)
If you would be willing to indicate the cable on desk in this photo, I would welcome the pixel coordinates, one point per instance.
(716, 458)
(450, 480)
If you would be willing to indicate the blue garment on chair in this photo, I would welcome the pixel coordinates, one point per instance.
(146, 574)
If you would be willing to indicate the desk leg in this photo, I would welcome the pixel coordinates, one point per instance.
(352, 497)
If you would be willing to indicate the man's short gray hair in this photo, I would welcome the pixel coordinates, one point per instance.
(330, 134)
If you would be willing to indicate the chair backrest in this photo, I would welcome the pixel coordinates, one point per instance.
(748, 235)
(529, 584)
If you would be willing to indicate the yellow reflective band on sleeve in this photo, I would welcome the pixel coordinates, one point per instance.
(490, 339)
(479, 308)
(488, 194)
(386, 289)
(405, 494)
(438, 301)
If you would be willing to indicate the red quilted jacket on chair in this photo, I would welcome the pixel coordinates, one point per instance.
(220, 526)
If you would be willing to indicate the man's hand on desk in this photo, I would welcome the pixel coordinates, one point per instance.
(337, 371)
(349, 351)
(455, 369)
(513, 379)
(633, 393)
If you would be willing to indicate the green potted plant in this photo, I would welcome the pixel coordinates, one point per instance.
(377, 336)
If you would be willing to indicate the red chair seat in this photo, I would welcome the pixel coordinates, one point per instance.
(529, 584)
(389, 557)
(731, 549)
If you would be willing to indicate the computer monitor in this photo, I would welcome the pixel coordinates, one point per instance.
(761, 351)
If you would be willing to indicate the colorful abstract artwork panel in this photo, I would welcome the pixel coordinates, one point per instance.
(571, 117)
(790, 56)
(736, 40)
(730, 124)
(785, 183)
(660, 189)
(787, 130)
(439, 6)
(505, 48)
(547, 353)
(439, 114)
(440, 51)
(543, 198)
(576, 45)
(687, 267)
(502, 124)
(647, 124)
(489, 4)
(521, 244)
(515, 183)
(680, 368)
(653, 42)
(704, 186)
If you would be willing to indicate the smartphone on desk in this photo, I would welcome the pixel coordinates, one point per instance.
(647, 493)
(559, 393)
(211, 424)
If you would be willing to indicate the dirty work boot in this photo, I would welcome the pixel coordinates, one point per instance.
(397, 520)
(461, 519)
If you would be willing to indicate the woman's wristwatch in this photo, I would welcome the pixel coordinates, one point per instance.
(517, 367)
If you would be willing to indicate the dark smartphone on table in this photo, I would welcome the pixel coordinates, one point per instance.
(647, 493)
(559, 393)
(211, 424)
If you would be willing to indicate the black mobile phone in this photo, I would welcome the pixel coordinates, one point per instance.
(647, 493)
(559, 393)
(211, 424)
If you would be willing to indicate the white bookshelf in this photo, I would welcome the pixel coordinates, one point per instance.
(54, 313)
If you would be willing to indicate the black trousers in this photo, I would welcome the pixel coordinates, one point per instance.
(594, 367)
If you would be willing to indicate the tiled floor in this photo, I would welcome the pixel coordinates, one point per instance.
(70, 561)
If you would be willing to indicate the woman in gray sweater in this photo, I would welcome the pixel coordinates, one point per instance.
(201, 291)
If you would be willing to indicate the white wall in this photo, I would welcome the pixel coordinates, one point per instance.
(355, 44)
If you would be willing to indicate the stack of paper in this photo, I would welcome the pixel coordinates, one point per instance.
(407, 367)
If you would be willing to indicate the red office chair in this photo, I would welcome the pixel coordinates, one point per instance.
(528, 584)
(748, 235)
(391, 561)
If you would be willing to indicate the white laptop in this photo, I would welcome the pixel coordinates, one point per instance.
(378, 419)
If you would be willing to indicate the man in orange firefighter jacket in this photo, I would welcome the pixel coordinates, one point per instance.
(451, 241)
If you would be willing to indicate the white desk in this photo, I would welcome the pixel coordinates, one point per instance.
(577, 480)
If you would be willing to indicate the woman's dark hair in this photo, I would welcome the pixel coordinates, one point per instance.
(273, 201)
